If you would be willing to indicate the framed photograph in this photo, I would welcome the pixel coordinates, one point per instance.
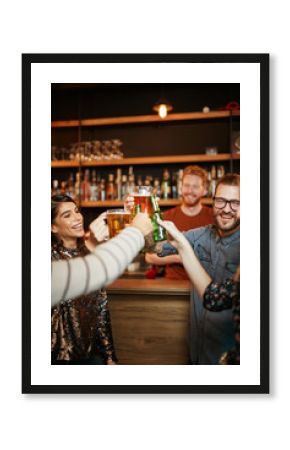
(97, 127)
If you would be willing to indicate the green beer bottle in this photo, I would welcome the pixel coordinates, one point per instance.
(136, 210)
(159, 233)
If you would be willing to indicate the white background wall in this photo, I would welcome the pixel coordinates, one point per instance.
(201, 421)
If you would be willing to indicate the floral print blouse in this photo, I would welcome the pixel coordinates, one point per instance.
(81, 327)
(220, 296)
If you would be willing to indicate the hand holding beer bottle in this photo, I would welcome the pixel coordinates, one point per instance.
(159, 233)
(146, 202)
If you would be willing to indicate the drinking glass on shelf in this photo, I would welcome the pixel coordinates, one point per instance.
(117, 219)
(53, 153)
(86, 150)
(116, 149)
(96, 150)
(106, 149)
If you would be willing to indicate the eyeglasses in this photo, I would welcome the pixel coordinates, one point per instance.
(220, 203)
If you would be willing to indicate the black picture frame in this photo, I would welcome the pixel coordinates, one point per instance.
(263, 61)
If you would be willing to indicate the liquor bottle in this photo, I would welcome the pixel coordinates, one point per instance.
(86, 187)
(118, 183)
(110, 188)
(131, 180)
(94, 187)
(124, 187)
(179, 183)
(78, 187)
(174, 188)
(213, 180)
(209, 184)
(102, 190)
(220, 171)
(147, 181)
(63, 187)
(156, 188)
(165, 185)
(213, 172)
(55, 188)
(139, 180)
(159, 233)
(70, 189)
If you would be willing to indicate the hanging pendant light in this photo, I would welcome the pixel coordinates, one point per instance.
(162, 107)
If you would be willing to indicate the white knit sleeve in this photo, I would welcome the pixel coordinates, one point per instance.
(78, 276)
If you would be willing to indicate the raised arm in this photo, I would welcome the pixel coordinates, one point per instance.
(73, 277)
(198, 276)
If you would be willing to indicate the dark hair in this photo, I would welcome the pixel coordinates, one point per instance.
(55, 202)
(231, 179)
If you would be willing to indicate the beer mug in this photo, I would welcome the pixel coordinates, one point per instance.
(117, 219)
(146, 202)
(142, 198)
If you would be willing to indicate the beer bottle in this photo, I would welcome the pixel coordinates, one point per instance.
(165, 185)
(159, 233)
(137, 209)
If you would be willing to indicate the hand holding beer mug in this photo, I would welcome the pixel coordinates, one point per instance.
(98, 229)
(117, 220)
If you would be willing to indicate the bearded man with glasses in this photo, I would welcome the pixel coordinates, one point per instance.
(218, 249)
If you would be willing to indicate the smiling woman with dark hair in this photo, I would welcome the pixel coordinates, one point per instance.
(80, 328)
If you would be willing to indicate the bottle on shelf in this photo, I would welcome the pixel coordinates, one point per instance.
(110, 188)
(157, 187)
(131, 180)
(220, 171)
(102, 189)
(78, 186)
(86, 187)
(55, 188)
(165, 185)
(148, 181)
(212, 180)
(63, 187)
(94, 187)
(139, 180)
(124, 187)
(118, 183)
(179, 183)
(174, 187)
(70, 188)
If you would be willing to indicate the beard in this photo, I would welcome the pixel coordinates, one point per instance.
(189, 200)
(226, 222)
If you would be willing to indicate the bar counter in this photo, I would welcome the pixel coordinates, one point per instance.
(150, 320)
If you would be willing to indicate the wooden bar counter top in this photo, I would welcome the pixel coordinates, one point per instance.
(150, 320)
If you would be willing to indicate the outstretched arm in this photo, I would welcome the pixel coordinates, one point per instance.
(198, 276)
(73, 277)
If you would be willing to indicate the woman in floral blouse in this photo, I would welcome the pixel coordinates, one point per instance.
(80, 328)
(216, 296)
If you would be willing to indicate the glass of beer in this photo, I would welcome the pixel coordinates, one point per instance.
(117, 219)
(142, 198)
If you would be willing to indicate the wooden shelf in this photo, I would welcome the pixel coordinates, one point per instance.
(148, 160)
(120, 203)
(154, 118)
(64, 163)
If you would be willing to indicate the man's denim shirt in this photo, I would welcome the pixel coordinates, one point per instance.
(212, 333)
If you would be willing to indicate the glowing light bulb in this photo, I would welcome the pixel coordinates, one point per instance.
(162, 111)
